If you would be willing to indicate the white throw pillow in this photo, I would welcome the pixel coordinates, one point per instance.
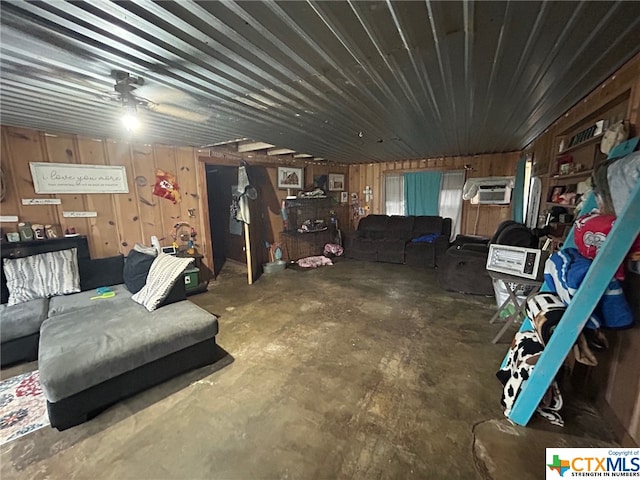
(42, 276)
(164, 272)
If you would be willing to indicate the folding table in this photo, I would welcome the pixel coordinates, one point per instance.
(512, 283)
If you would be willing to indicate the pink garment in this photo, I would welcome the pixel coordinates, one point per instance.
(333, 248)
(314, 262)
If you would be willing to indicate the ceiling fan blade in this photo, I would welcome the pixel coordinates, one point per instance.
(161, 94)
(178, 112)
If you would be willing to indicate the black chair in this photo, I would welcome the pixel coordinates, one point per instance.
(464, 266)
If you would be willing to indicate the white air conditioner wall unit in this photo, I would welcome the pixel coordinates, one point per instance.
(497, 194)
(488, 190)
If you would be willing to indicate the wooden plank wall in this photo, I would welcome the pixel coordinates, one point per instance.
(626, 81)
(222, 156)
(476, 219)
(122, 219)
(616, 378)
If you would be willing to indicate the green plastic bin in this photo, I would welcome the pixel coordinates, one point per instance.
(191, 278)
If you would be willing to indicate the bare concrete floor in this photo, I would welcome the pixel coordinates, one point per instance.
(359, 370)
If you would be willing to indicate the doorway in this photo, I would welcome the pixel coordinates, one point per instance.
(226, 232)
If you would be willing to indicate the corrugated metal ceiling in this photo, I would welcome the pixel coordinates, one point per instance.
(347, 81)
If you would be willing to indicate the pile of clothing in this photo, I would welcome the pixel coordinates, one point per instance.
(564, 273)
(331, 250)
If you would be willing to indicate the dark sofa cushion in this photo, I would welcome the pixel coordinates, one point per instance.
(362, 249)
(100, 272)
(464, 270)
(399, 227)
(466, 240)
(374, 234)
(423, 225)
(373, 227)
(420, 255)
(391, 250)
(136, 269)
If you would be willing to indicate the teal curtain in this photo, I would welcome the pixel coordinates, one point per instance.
(518, 191)
(422, 193)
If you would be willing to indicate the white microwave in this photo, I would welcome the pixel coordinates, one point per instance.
(517, 261)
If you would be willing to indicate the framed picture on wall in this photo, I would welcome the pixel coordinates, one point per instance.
(320, 181)
(336, 182)
(289, 177)
(344, 197)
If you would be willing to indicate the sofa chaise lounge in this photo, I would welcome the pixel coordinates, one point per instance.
(93, 352)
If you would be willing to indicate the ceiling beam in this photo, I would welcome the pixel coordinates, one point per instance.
(251, 146)
(226, 142)
(280, 151)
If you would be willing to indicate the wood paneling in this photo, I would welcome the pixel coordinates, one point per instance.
(272, 195)
(476, 219)
(165, 159)
(126, 204)
(62, 149)
(147, 212)
(24, 146)
(122, 219)
(103, 233)
(188, 180)
(623, 87)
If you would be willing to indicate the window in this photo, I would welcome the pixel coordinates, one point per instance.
(451, 199)
(449, 196)
(394, 194)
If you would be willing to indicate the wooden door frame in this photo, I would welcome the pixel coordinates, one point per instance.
(225, 160)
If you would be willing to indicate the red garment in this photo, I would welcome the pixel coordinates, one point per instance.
(590, 232)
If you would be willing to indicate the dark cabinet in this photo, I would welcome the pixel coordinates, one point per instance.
(309, 224)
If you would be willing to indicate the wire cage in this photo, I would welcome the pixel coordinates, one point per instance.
(308, 214)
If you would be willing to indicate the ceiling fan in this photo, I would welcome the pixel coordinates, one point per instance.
(133, 93)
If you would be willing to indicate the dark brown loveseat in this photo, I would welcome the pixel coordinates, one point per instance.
(394, 239)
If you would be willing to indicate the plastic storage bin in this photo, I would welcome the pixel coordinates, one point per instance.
(191, 278)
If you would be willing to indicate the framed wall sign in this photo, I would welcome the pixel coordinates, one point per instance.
(289, 177)
(336, 182)
(75, 178)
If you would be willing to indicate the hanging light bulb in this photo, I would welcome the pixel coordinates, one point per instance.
(130, 119)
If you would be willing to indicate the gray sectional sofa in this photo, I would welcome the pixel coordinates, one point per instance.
(94, 352)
